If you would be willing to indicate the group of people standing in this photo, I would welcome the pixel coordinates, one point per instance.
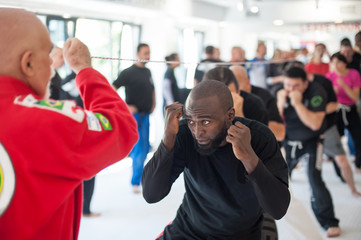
(309, 107)
(226, 138)
(306, 107)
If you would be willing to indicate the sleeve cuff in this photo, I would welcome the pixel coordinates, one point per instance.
(163, 149)
(257, 172)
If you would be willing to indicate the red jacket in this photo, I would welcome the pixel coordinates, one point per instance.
(52, 146)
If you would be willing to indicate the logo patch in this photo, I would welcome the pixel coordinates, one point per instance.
(51, 104)
(104, 121)
(7, 180)
(67, 108)
(316, 101)
(93, 122)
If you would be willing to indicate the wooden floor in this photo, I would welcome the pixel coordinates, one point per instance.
(126, 216)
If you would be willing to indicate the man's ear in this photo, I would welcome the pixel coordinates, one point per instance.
(231, 114)
(306, 83)
(27, 64)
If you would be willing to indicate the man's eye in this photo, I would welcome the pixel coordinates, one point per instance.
(206, 122)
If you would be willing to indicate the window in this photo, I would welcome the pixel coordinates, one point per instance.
(60, 29)
(190, 51)
(104, 38)
(109, 39)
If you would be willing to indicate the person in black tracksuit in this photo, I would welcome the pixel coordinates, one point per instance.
(233, 169)
(140, 98)
(302, 104)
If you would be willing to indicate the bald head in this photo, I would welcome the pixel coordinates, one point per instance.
(25, 46)
(242, 77)
(238, 54)
(211, 88)
(20, 31)
(224, 75)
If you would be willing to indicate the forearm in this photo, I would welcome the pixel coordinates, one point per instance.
(156, 179)
(331, 107)
(273, 195)
(278, 129)
(281, 107)
(313, 120)
(96, 92)
(108, 131)
(352, 93)
(277, 79)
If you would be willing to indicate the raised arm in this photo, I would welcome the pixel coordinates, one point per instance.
(157, 174)
(270, 183)
(106, 130)
(311, 119)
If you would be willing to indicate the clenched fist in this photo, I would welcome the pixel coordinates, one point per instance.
(76, 55)
(173, 113)
(240, 137)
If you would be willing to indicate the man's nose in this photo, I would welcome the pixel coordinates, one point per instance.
(198, 130)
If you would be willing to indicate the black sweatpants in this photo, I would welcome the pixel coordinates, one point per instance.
(321, 200)
(351, 121)
(88, 189)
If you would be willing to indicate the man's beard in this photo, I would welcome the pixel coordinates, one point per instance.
(214, 143)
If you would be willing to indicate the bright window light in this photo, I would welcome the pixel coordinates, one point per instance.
(240, 6)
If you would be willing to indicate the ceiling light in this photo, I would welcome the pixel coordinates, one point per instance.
(66, 15)
(338, 21)
(278, 22)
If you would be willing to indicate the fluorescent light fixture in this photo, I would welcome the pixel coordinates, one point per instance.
(254, 9)
(338, 21)
(66, 15)
(240, 6)
(278, 22)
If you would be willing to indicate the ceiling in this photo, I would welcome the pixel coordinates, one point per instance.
(225, 11)
(290, 12)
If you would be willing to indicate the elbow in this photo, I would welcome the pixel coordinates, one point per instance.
(315, 127)
(284, 204)
(149, 198)
(133, 133)
(129, 141)
(281, 136)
